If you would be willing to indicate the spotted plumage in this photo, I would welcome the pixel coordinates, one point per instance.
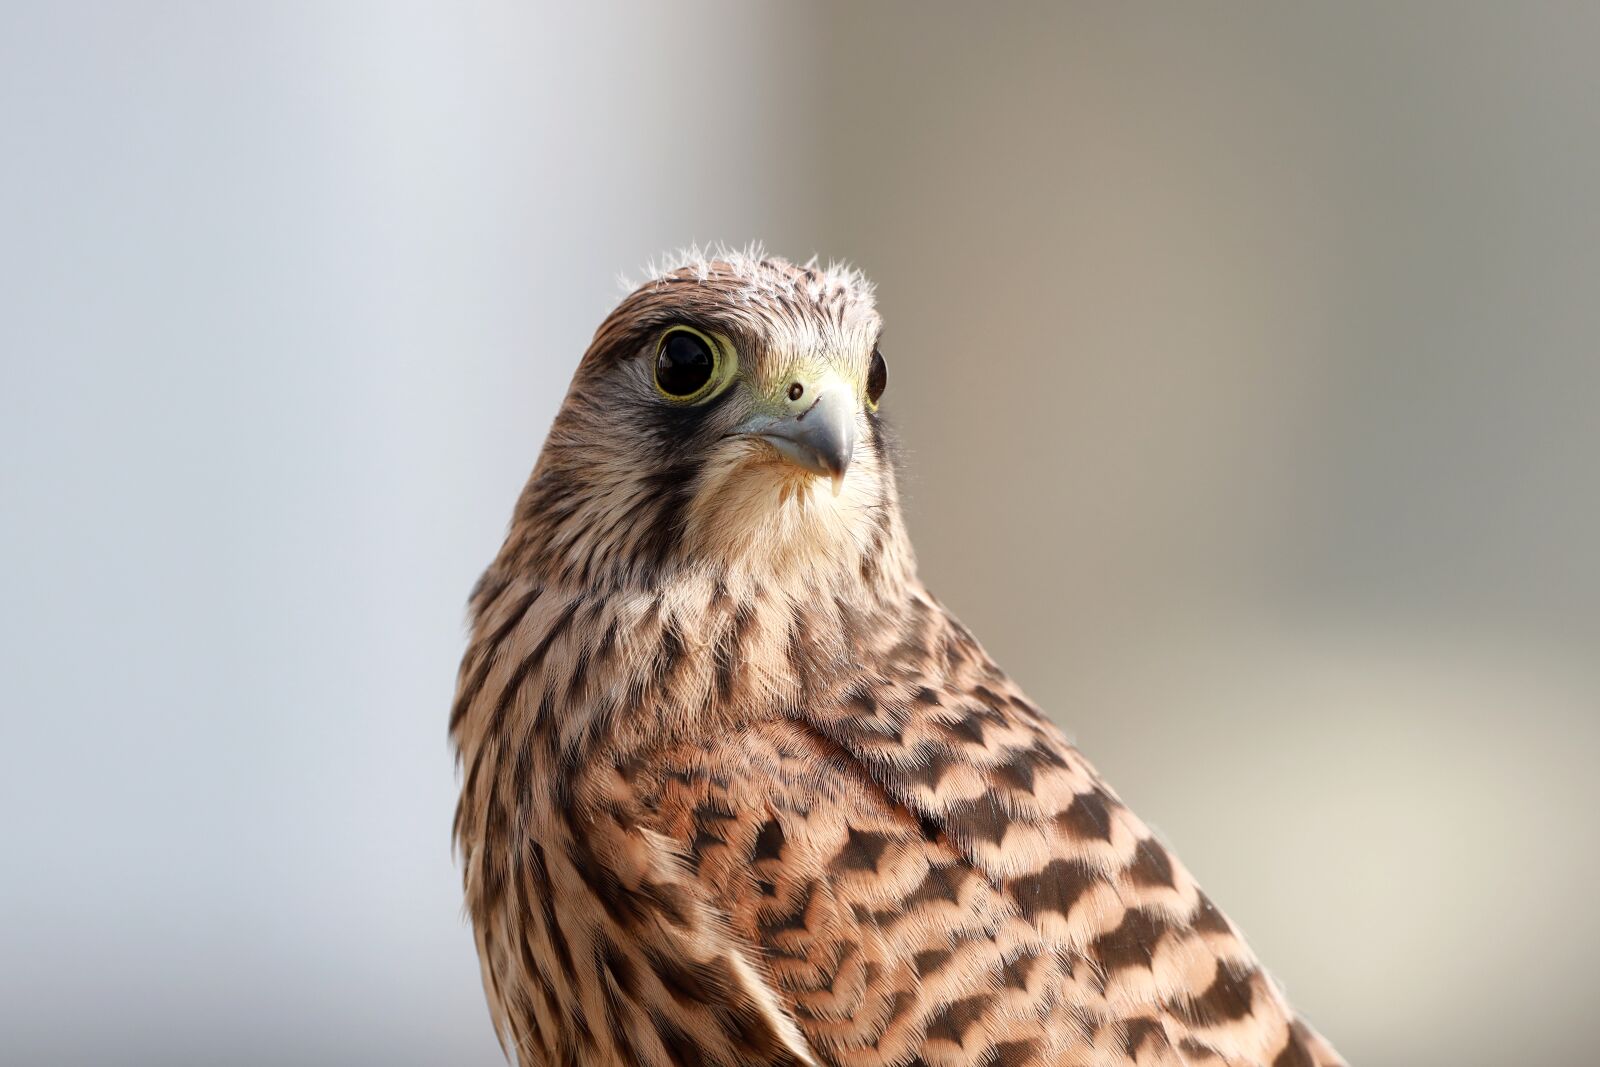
(737, 790)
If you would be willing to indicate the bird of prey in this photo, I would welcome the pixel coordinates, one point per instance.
(738, 791)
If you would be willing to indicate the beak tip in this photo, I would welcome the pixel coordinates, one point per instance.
(828, 459)
(822, 439)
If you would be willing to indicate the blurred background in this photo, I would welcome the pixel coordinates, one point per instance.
(1245, 358)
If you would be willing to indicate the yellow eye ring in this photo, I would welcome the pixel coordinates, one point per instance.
(692, 366)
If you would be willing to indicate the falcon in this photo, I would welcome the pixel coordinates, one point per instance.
(738, 791)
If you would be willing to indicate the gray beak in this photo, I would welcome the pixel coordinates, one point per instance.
(821, 438)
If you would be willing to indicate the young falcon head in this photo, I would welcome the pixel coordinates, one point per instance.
(738, 792)
(725, 416)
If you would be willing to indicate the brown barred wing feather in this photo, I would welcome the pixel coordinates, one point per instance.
(608, 949)
(1100, 946)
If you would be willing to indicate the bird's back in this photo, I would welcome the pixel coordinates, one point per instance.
(910, 866)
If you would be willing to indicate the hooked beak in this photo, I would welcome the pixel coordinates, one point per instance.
(820, 434)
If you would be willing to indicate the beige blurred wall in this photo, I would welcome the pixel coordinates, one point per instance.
(1247, 362)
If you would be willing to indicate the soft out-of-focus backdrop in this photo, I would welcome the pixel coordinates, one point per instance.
(1247, 361)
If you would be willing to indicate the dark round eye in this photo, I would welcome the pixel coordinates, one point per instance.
(685, 362)
(877, 378)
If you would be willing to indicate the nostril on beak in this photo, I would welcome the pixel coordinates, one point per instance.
(796, 391)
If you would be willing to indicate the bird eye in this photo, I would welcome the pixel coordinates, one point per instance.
(686, 363)
(877, 379)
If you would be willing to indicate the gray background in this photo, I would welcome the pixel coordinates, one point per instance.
(1245, 359)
